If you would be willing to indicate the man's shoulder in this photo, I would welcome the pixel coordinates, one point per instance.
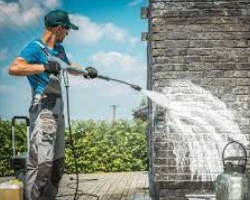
(32, 53)
(32, 47)
(33, 44)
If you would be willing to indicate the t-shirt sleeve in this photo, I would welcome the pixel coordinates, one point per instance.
(31, 53)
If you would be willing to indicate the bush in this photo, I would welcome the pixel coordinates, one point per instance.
(6, 145)
(99, 146)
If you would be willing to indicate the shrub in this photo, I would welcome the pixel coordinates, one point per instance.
(99, 145)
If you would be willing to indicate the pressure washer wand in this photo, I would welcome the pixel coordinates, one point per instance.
(136, 87)
(67, 67)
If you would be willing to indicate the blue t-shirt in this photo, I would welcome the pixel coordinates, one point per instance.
(34, 54)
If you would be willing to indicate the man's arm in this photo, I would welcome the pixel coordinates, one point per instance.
(75, 73)
(88, 72)
(20, 67)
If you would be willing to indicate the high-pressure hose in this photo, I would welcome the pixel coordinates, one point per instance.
(77, 194)
(66, 83)
(65, 67)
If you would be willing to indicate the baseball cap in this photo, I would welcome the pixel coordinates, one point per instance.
(59, 17)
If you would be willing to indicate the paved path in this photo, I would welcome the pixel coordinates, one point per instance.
(108, 186)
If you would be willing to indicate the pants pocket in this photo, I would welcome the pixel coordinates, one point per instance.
(47, 124)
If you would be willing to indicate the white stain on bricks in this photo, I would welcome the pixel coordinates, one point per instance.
(197, 127)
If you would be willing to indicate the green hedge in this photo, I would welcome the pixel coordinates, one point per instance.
(99, 145)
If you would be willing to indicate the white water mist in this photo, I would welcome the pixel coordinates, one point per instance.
(199, 125)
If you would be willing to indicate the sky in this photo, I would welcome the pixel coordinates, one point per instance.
(109, 39)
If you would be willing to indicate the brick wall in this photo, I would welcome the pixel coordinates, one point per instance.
(207, 42)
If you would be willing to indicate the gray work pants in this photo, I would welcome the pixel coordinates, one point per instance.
(45, 163)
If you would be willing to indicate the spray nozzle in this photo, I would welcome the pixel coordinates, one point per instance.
(136, 87)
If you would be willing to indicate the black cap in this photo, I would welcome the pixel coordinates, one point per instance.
(59, 17)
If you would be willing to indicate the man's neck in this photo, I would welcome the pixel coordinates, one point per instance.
(49, 39)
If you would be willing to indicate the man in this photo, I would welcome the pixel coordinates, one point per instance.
(45, 163)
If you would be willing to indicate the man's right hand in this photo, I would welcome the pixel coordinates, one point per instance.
(92, 72)
(52, 67)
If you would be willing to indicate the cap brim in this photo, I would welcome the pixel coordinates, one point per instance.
(73, 26)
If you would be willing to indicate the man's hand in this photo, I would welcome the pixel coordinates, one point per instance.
(52, 67)
(92, 72)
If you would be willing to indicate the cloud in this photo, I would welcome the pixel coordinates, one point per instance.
(23, 13)
(115, 90)
(91, 32)
(3, 55)
(135, 2)
(52, 3)
(79, 81)
(102, 88)
(118, 61)
(117, 65)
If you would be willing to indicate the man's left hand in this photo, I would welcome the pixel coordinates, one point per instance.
(52, 67)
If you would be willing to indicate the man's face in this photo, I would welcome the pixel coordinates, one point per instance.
(61, 33)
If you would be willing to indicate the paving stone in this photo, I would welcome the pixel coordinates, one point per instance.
(108, 186)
